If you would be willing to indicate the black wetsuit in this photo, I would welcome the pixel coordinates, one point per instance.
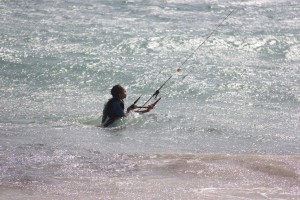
(113, 110)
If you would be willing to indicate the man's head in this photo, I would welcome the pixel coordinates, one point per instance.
(118, 92)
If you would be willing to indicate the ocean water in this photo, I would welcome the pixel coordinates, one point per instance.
(227, 126)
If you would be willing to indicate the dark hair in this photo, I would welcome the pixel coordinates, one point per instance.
(116, 90)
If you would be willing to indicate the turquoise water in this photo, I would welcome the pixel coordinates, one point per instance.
(227, 125)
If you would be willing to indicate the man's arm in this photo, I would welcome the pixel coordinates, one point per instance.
(118, 109)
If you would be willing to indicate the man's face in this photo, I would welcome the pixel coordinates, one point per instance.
(123, 94)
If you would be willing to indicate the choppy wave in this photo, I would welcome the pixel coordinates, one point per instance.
(54, 68)
(151, 176)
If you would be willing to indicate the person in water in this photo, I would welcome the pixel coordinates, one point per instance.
(114, 108)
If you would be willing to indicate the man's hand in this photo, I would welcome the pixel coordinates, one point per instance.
(132, 107)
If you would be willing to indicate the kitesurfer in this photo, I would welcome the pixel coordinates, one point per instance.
(114, 108)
